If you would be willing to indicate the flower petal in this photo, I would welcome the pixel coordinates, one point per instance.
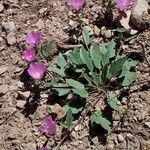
(36, 70)
(33, 38)
(77, 4)
(29, 55)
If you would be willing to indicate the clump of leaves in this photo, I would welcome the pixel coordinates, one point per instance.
(88, 68)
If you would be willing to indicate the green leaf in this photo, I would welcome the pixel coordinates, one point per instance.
(111, 48)
(110, 53)
(58, 71)
(112, 101)
(61, 62)
(87, 77)
(96, 78)
(81, 92)
(47, 50)
(62, 91)
(75, 84)
(76, 106)
(116, 66)
(127, 66)
(44, 53)
(104, 75)
(105, 58)
(129, 78)
(54, 80)
(86, 59)
(74, 57)
(96, 55)
(97, 118)
(69, 119)
(86, 36)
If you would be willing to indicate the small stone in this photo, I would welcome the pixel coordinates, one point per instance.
(116, 117)
(40, 24)
(3, 89)
(20, 84)
(145, 145)
(57, 109)
(13, 1)
(140, 18)
(132, 32)
(72, 23)
(124, 100)
(86, 21)
(20, 103)
(3, 69)
(1, 7)
(130, 136)
(120, 138)
(42, 10)
(108, 34)
(13, 87)
(11, 39)
(9, 26)
(23, 95)
(103, 30)
(110, 146)
(147, 124)
(44, 95)
(96, 30)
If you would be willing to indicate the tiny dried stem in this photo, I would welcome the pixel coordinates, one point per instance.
(69, 46)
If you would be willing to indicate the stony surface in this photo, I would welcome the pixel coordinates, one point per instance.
(140, 18)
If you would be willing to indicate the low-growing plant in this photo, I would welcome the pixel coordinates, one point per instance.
(91, 68)
(81, 72)
(86, 75)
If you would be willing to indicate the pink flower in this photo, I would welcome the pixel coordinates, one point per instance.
(28, 55)
(33, 38)
(48, 126)
(43, 148)
(77, 4)
(123, 4)
(36, 70)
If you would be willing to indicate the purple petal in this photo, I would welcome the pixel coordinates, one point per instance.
(28, 55)
(43, 148)
(123, 4)
(77, 4)
(48, 126)
(36, 70)
(33, 38)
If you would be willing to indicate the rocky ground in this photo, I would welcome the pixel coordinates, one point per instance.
(56, 21)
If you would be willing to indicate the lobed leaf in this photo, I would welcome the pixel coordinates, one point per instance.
(97, 118)
(112, 101)
(61, 62)
(116, 66)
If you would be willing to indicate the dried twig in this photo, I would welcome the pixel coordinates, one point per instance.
(69, 46)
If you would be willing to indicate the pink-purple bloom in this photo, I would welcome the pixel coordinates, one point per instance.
(123, 4)
(33, 38)
(29, 55)
(77, 4)
(36, 70)
(48, 126)
(43, 148)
